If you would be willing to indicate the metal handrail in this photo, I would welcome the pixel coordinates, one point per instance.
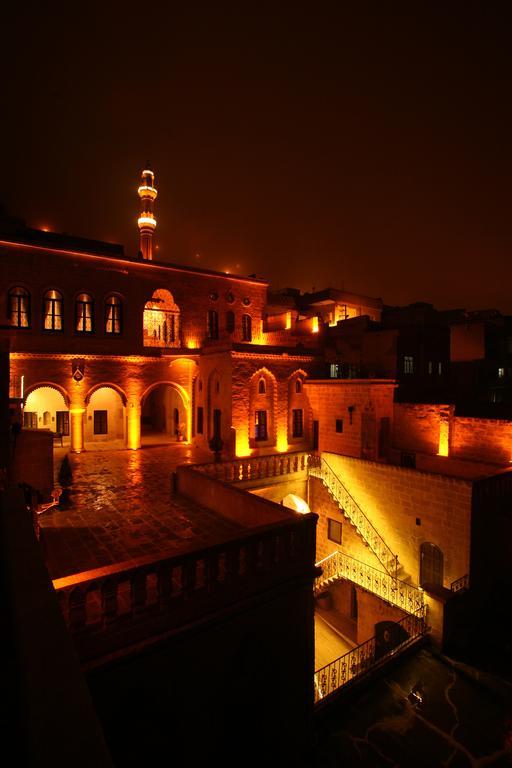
(385, 555)
(368, 655)
(460, 584)
(338, 565)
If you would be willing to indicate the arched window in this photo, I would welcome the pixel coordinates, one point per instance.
(52, 307)
(246, 328)
(161, 324)
(431, 565)
(298, 386)
(113, 315)
(19, 307)
(262, 387)
(230, 321)
(212, 324)
(84, 308)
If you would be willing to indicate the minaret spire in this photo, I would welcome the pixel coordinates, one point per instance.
(147, 222)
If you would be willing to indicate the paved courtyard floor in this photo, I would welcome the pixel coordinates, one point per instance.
(120, 508)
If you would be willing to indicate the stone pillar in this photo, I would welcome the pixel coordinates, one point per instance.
(76, 413)
(133, 412)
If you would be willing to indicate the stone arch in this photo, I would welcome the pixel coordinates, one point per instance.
(298, 410)
(106, 385)
(46, 406)
(182, 391)
(161, 320)
(49, 384)
(431, 564)
(297, 503)
(262, 427)
(165, 412)
(105, 413)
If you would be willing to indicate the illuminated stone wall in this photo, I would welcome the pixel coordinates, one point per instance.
(394, 497)
(193, 292)
(349, 401)
(322, 503)
(279, 370)
(417, 427)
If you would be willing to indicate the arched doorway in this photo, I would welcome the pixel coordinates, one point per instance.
(431, 565)
(297, 503)
(46, 408)
(164, 415)
(105, 417)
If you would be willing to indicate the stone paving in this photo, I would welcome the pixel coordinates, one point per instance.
(120, 507)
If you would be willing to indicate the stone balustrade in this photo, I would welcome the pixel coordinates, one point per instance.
(256, 468)
(110, 608)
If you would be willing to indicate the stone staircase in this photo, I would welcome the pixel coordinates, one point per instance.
(319, 467)
(338, 566)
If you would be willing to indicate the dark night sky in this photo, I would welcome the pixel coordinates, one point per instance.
(364, 145)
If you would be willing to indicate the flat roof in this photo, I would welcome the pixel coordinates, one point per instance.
(390, 382)
(98, 249)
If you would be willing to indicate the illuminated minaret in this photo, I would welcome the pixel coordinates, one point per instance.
(147, 222)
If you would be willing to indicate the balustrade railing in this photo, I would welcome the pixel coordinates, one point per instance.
(182, 587)
(319, 467)
(399, 593)
(460, 584)
(257, 468)
(367, 656)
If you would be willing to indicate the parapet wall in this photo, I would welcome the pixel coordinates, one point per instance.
(417, 427)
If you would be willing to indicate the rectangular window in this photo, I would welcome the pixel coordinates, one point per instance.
(334, 530)
(217, 415)
(52, 311)
(200, 417)
(260, 431)
(501, 373)
(246, 328)
(440, 368)
(334, 371)
(430, 367)
(408, 460)
(19, 308)
(62, 422)
(29, 420)
(230, 321)
(101, 422)
(297, 422)
(212, 324)
(113, 316)
(339, 425)
(408, 364)
(83, 316)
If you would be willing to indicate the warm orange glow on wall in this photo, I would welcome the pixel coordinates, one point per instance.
(77, 429)
(133, 427)
(282, 441)
(288, 321)
(314, 327)
(242, 443)
(444, 438)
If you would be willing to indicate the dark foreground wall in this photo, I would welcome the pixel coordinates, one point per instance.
(236, 686)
